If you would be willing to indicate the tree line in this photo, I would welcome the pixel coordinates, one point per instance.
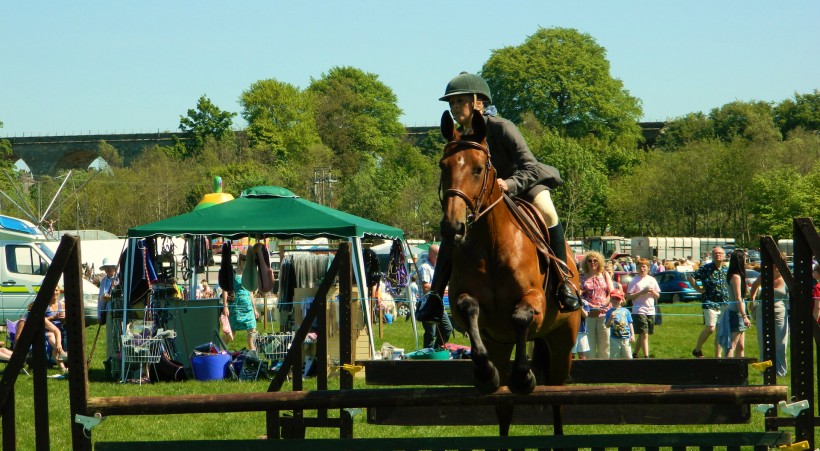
(743, 169)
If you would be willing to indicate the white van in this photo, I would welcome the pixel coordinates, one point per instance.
(24, 260)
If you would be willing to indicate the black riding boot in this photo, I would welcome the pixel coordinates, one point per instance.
(567, 298)
(432, 309)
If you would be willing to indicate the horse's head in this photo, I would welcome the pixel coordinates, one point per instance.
(467, 177)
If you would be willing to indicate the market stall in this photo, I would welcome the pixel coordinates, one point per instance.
(260, 213)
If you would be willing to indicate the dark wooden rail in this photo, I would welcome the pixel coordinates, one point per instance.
(456, 396)
(66, 264)
(716, 373)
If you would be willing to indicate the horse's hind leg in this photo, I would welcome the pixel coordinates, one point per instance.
(504, 415)
(554, 355)
(487, 379)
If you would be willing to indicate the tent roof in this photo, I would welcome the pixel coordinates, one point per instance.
(267, 211)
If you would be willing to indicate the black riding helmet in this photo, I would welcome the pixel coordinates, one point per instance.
(467, 83)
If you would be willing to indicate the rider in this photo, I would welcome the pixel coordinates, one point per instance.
(520, 175)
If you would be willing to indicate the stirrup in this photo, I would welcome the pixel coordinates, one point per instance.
(432, 309)
(568, 301)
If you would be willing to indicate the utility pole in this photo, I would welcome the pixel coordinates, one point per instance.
(323, 185)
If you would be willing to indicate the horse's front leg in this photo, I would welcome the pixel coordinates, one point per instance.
(522, 380)
(486, 375)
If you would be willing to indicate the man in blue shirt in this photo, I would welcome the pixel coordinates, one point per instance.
(106, 286)
(714, 294)
(436, 333)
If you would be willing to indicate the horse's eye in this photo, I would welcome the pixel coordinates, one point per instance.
(477, 170)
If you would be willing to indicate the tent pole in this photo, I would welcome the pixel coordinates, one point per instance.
(126, 301)
(192, 277)
(358, 269)
(410, 294)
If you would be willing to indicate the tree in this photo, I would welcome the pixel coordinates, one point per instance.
(562, 76)
(110, 154)
(280, 117)
(803, 112)
(801, 150)
(408, 181)
(777, 197)
(357, 116)
(432, 143)
(748, 120)
(204, 121)
(581, 200)
(684, 130)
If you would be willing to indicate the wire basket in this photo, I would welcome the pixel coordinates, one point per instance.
(141, 350)
(274, 346)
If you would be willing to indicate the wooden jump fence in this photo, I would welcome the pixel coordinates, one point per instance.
(67, 264)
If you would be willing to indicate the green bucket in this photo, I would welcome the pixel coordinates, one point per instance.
(429, 354)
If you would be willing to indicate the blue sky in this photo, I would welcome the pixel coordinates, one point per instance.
(136, 66)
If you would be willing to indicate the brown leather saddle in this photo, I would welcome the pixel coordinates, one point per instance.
(535, 228)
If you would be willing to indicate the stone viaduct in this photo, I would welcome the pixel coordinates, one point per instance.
(47, 155)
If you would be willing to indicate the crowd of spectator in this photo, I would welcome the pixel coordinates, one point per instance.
(729, 304)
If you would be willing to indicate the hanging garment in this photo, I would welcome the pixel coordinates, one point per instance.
(250, 274)
(287, 282)
(263, 265)
(142, 273)
(201, 253)
(226, 272)
(396, 278)
(371, 268)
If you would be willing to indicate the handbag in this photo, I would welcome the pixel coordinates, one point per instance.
(226, 325)
(167, 369)
(252, 366)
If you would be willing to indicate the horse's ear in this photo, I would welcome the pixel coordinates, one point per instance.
(479, 126)
(448, 127)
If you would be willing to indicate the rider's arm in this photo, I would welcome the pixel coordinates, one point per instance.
(528, 172)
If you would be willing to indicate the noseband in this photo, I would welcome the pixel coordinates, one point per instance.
(474, 205)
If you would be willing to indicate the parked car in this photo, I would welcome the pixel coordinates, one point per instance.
(753, 256)
(623, 278)
(675, 287)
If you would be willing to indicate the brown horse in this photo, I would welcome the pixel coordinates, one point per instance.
(497, 288)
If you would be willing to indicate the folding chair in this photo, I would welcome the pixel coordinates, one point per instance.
(11, 331)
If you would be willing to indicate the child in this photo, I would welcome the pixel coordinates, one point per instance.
(619, 322)
(581, 347)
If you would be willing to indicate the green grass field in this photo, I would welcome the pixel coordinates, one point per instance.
(674, 339)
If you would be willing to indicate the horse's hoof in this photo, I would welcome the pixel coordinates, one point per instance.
(489, 383)
(522, 384)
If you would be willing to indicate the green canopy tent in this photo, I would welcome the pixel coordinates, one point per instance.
(268, 211)
(271, 211)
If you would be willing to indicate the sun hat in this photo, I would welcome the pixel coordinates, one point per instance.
(107, 262)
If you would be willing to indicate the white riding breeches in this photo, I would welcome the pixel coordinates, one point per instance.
(543, 202)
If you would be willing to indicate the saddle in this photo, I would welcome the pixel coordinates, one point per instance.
(535, 228)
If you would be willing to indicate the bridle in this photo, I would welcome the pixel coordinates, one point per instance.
(474, 205)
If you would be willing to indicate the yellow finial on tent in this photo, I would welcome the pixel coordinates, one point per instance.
(217, 197)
